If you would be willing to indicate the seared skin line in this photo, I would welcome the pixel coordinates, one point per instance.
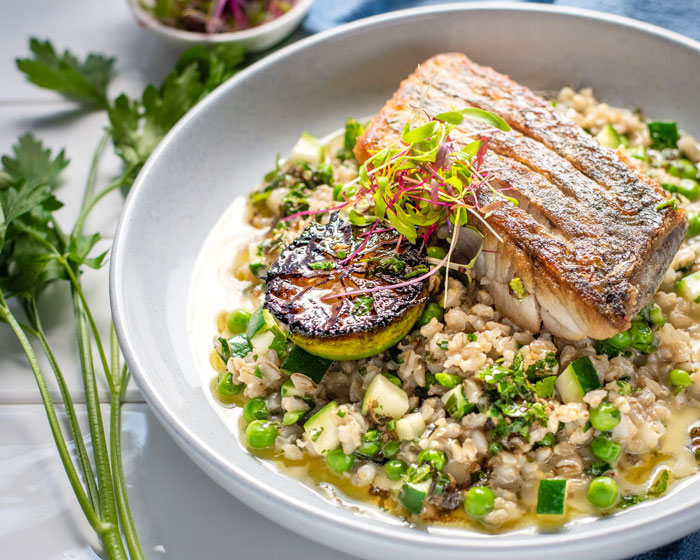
(586, 239)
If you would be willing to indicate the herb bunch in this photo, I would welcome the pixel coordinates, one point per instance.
(35, 252)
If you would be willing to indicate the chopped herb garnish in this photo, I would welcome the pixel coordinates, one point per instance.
(316, 433)
(540, 367)
(362, 305)
(353, 129)
(623, 387)
(392, 265)
(597, 469)
(255, 268)
(472, 337)
(660, 485)
(545, 387)
(663, 134)
(632, 500)
(417, 271)
(322, 265)
(443, 344)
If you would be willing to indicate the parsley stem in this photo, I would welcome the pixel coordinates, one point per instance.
(54, 424)
(132, 540)
(119, 380)
(122, 181)
(78, 290)
(108, 509)
(83, 458)
(90, 183)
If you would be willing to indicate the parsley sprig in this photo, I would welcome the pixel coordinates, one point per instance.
(35, 252)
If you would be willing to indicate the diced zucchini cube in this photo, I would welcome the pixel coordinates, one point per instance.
(385, 398)
(689, 287)
(322, 430)
(307, 150)
(551, 496)
(456, 402)
(577, 379)
(413, 494)
(410, 427)
(608, 137)
(300, 361)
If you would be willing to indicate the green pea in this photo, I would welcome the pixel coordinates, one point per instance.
(369, 449)
(435, 252)
(690, 189)
(693, 226)
(603, 492)
(237, 321)
(372, 435)
(395, 468)
(656, 316)
(256, 409)
(227, 387)
(391, 449)
(449, 380)
(606, 450)
(605, 417)
(431, 311)
(680, 378)
(338, 461)
(621, 340)
(479, 500)
(260, 434)
(682, 168)
(642, 336)
(437, 459)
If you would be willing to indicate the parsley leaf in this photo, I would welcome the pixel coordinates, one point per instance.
(32, 164)
(138, 126)
(85, 82)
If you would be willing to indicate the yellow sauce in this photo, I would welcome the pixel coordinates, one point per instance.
(674, 454)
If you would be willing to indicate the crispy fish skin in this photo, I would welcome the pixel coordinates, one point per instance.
(586, 238)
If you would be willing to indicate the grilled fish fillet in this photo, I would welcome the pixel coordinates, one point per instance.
(586, 239)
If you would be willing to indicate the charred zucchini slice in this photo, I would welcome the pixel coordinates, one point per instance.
(301, 284)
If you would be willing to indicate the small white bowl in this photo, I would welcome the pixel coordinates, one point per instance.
(254, 39)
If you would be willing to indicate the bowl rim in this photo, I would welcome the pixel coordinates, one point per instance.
(672, 525)
(144, 17)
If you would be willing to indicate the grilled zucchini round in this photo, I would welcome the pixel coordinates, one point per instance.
(304, 290)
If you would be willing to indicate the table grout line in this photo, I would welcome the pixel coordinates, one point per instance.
(104, 399)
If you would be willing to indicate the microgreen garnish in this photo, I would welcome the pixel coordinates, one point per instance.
(420, 183)
(672, 203)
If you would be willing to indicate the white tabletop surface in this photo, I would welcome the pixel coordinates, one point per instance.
(180, 512)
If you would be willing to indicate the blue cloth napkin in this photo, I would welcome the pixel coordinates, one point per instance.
(682, 16)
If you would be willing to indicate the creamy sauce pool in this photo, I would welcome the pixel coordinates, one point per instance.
(214, 291)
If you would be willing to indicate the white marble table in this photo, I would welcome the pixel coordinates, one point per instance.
(181, 513)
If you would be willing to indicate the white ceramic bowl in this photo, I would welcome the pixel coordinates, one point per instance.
(255, 39)
(223, 147)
